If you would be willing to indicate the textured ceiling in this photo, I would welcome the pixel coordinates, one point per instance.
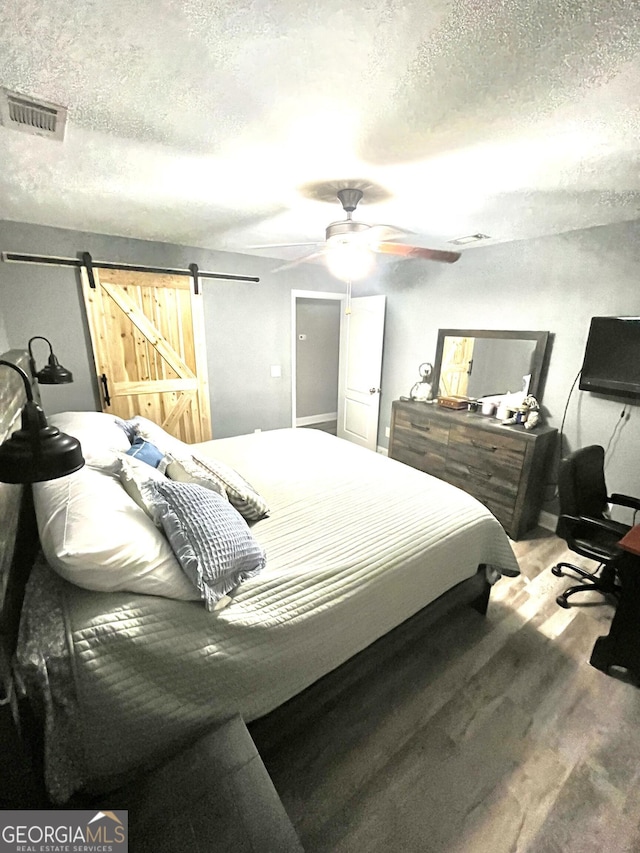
(213, 123)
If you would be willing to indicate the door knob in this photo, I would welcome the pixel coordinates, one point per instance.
(374, 390)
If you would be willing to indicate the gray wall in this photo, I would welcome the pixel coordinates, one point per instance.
(4, 338)
(317, 356)
(248, 326)
(553, 283)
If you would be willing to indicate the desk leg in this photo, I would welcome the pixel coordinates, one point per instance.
(618, 653)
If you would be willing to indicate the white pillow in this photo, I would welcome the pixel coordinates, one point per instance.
(95, 536)
(98, 433)
(133, 475)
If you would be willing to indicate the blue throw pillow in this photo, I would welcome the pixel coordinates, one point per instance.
(146, 452)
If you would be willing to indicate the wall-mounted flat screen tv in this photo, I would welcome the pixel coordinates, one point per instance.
(612, 357)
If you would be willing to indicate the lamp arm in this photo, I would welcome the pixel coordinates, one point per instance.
(25, 378)
(32, 361)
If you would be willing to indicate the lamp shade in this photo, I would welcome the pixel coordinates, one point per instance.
(53, 373)
(37, 451)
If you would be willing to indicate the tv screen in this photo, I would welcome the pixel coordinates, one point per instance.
(612, 356)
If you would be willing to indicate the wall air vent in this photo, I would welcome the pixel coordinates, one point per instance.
(37, 117)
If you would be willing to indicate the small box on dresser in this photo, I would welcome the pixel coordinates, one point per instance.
(504, 467)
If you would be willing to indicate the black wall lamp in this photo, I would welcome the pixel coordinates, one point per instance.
(37, 451)
(53, 373)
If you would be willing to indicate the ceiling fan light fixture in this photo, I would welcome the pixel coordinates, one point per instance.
(346, 229)
(349, 259)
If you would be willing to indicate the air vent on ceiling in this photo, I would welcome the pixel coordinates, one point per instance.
(37, 117)
(472, 238)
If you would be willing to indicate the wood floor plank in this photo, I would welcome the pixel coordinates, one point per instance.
(480, 735)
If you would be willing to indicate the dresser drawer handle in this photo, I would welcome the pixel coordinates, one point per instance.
(477, 472)
(491, 447)
(420, 427)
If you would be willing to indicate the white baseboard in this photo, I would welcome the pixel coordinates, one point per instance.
(317, 419)
(383, 450)
(548, 520)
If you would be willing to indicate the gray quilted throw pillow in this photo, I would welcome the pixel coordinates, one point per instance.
(211, 540)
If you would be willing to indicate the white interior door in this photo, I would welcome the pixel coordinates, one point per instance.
(360, 370)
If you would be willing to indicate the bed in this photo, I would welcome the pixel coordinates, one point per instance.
(355, 544)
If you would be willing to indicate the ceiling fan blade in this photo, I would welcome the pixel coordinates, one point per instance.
(388, 232)
(405, 251)
(301, 260)
(284, 245)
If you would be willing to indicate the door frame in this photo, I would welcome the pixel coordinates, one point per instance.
(306, 294)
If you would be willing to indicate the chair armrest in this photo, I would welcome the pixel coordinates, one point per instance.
(625, 500)
(594, 523)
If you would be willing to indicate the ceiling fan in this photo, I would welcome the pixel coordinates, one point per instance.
(350, 246)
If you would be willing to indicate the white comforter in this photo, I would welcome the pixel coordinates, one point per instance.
(356, 543)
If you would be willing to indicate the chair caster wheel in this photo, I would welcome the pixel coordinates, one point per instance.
(562, 602)
(557, 571)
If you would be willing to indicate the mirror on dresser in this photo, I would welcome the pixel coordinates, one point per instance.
(484, 362)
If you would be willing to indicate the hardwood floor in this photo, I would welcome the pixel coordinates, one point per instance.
(325, 426)
(484, 734)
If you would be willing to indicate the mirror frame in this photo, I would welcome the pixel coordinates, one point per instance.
(541, 339)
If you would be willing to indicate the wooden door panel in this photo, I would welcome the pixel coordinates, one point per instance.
(139, 316)
(360, 369)
(147, 333)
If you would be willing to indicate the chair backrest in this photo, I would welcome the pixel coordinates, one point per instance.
(582, 488)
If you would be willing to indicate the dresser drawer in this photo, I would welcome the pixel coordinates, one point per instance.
(489, 489)
(503, 512)
(505, 468)
(431, 460)
(420, 440)
(494, 458)
(420, 425)
(498, 500)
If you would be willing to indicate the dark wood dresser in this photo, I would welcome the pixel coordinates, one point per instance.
(504, 467)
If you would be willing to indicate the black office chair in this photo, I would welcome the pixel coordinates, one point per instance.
(582, 523)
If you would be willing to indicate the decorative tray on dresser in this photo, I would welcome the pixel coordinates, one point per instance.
(504, 467)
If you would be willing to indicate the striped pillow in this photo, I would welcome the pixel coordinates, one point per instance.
(241, 494)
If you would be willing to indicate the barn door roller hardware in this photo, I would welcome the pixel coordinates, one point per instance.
(195, 272)
(89, 264)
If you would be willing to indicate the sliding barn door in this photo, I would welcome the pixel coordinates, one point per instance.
(147, 333)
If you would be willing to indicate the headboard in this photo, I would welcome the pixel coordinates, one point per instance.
(18, 531)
